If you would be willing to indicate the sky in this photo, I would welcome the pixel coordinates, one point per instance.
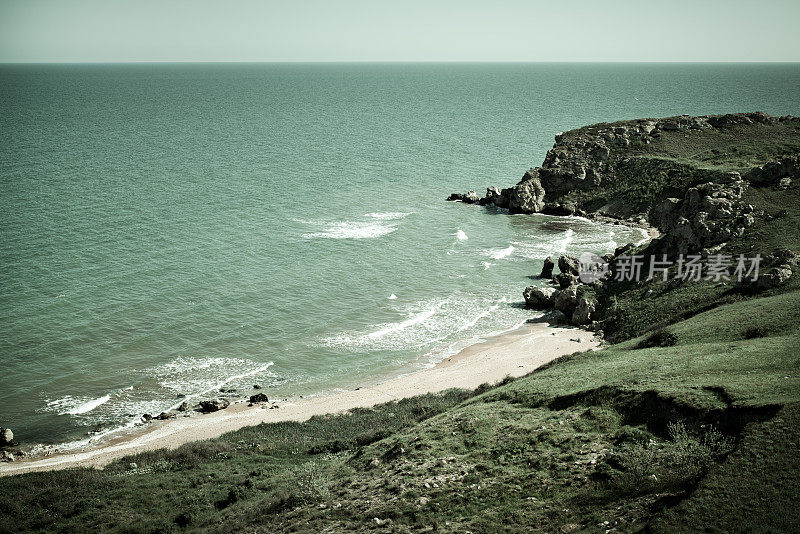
(407, 30)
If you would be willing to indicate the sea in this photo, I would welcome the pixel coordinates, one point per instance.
(170, 230)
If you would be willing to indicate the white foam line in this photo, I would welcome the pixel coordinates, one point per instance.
(416, 319)
(88, 406)
(502, 253)
(389, 215)
(70, 445)
(645, 237)
(481, 315)
(563, 243)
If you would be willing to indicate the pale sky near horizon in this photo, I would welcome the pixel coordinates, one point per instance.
(409, 30)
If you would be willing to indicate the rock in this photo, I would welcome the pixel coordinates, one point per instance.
(256, 386)
(569, 265)
(494, 197)
(547, 268)
(539, 297)
(184, 407)
(257, 398)
(6, 437)
(213, 405)
(566, 300)
(774, 278)
(525, 197)
(708, 215)
(132, 465)
(565, 280)
(785, 256)
(6, 456)
(471, 197)
(777, 173)
(163, 416)
(147, 417)
(584, 311)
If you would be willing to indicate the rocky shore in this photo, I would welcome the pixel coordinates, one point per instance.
(637, 173)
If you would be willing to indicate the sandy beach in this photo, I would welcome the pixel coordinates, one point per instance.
(514, 353)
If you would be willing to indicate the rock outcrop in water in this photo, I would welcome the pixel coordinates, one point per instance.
(6, 437)
(547, 268)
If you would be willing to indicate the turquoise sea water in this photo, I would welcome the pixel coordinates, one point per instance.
(175, 229)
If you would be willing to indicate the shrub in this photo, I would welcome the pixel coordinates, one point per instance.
(312, 482)
(753, 332)
(659, 338)
(681, 462)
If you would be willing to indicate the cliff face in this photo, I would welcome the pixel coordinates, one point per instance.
(685, 175)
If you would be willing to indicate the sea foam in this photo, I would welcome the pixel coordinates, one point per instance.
(372, 225)
(500, 253)
(70, 405)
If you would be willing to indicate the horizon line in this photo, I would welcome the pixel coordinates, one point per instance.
(406, 62)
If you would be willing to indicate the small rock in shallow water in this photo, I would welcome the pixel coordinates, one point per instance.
(6, 436)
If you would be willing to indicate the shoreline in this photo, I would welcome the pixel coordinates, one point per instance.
(513, 353)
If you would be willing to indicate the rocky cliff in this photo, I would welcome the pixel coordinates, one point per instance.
(695, 179)
(684, 175)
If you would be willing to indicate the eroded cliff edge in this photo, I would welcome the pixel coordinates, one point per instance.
(682, 175)
(711, 185)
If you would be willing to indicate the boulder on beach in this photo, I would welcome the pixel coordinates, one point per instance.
(214, 405)
(6, 437)
(583, 311)
(258, 397)
(566, 300)
(539, 297)
(184, 407)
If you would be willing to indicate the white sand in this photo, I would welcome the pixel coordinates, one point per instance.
(516, 354)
